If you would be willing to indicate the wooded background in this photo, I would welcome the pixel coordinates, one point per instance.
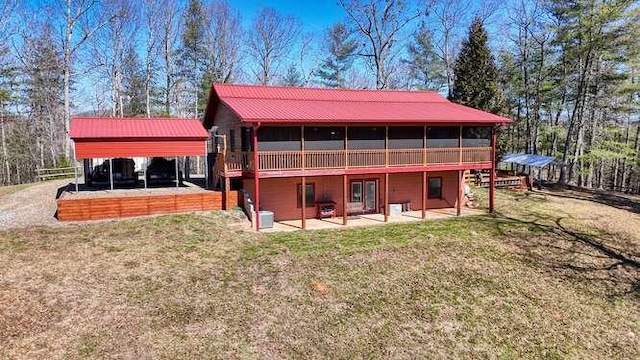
(566, 71)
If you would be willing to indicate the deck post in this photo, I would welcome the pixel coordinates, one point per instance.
(206, 165)
(460, 145)
(303, 195)
(344, 200)
(111, 173)
(386, 197)
(492, 174)
(227, 186)
(460, 192)
(177, 173)
(302, 155)
(75, 168)
(346, 148)
(424, 195)
(256, 168)
(386, 146)
(145, 172)
(424, 146)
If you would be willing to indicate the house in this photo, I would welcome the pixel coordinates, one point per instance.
(308, 152)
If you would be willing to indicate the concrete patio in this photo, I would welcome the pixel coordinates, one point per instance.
(369, 220)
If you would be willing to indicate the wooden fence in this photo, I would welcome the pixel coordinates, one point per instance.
(56, 173)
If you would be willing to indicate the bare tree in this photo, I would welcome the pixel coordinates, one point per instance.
(168, 31)
(272, 37)
(110, 46)
(80, 24)
(223, 35)
(380, 23)
(152, 15)
(450, 16)
(6, 31)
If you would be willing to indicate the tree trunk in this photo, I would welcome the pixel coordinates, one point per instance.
(5, 153)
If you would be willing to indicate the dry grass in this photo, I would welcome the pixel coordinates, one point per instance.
(550, 277)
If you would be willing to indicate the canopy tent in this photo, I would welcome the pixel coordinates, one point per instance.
(528, 159)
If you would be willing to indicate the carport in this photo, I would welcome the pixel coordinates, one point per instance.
(95, 137)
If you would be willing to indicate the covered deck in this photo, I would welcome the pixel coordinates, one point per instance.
(370, 220)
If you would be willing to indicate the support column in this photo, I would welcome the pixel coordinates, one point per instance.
(386, 146)
(111, 173)
(177, 173)
(460, 144)
(75, 169)
(225, 195)
(303, 194)
(303, 157)
(344, 199)
(460, 192)
(424, 195)
(146, 166)
(86, 169)
(492, 174)
(386, 197)
(206, 165)
(256, 177)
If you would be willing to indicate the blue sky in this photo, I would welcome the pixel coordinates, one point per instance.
(314, 14)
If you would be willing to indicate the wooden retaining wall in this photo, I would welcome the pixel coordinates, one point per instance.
(113, 207)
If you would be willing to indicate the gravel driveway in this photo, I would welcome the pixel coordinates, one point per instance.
(34, 205)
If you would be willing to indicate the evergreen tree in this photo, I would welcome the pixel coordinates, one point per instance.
(292, 77)
(193, 50)
(426, 69)
(341, 50)
(134, 85)
(43, 94)
(476, 75)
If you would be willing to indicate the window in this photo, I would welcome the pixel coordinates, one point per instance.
(405, 137)
(310, 195)
(323, 138)
(435, 188)
(356, 191)
(361, 138)
(284, 138)
(232, 140)
(443, 137)
(476, 136)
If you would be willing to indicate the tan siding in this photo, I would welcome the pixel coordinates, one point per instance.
(227, 120)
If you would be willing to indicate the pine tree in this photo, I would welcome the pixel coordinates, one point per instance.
(426, 69)
(292, 77)
(43, 94)
(341, 50)
(134, 85)
(193, 49)
(476, 75)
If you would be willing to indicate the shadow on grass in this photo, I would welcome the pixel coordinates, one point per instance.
(616, 200)
(547, 242)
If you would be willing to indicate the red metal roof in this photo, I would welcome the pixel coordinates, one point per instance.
(84, 128)
(289, 104)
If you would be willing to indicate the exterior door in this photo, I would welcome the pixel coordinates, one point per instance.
(370, 196)
(366, 193)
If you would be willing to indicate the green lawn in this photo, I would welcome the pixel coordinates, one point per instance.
(550, 276)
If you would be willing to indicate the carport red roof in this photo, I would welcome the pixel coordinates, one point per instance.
(273, 104)
(85, 128)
